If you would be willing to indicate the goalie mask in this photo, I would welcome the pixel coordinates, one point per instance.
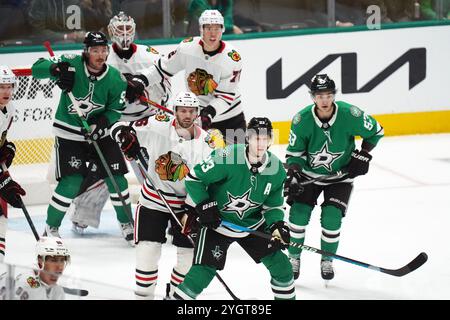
(211, 17)
(51, 246)
(122, 30)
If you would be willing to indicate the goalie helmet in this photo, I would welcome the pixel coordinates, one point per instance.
(186, 99)
(7, 76)
(322, 83)
(122, 30)
(51, 246)
(211, 17)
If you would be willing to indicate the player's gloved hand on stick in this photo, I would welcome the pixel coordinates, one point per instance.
(128, 142)
(280, 235)
(189, 221)
(136, 86)
(208, 214)
(7, 153)
(359, 163)
(292, 187)
(206, 116)
(10, 190)
(99, 127)
(65, 74)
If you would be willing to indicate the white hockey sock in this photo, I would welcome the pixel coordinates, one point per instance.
(3, 226)
(184, 263)
(147, 258)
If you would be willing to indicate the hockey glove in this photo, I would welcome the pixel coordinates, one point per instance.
(359, 163)
(189, 221)
(136, 86)
(128, 142)
(99, 128)
(10, 190)
(208, 214)
(280, 235)
(292, 188)
(65, 74)
(206, 116)
(7, 153)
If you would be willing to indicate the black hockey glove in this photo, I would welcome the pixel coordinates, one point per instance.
(65, 74)
(280, 235)
(128, 142)
(7, 153)
(292, 188)
(206, 116)
(10, 190)
(99, 127)
(136, 86)
(359, 163)
(208, 214)
(189, 220)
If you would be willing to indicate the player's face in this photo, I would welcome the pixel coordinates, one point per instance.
(186, 116)
(324, 100)
(98, 56)
(6, 92)
(53, 267)
(212, 34)
(258, 144)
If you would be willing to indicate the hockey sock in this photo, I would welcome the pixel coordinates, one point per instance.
(3, 226)
(148, 254)
(196, 280)
(282, 281)
(115, 200)
(299, 216)
(66, 190)
(331, 220)
(184, 262)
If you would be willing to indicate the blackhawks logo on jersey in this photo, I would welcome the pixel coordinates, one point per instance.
(201, 82)
(152, 50)
(190, 39)
(234, 55)
(162, 116)
(240, 204)
(324, 158)
(33, 283)
(170, 166)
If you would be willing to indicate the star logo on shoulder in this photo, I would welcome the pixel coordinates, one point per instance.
(240, 204)
(86, 104)
(324, 158)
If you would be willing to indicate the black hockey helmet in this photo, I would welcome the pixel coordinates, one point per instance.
(260, 125)
(95, 38)
(322, 82)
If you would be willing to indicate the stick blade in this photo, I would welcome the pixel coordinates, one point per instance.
(416, 263)
(76, 292)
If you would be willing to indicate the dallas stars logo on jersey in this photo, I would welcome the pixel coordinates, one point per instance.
(86, 104)
(324, 158)
(240, 204)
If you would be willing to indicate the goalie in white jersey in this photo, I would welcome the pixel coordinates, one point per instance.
(129, 57)
(52, 258)
(174, 146)
(10, 191)
(212, 71)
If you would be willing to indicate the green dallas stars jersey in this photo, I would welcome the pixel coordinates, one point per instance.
(321, 151)
(98, 95)
(243, 198)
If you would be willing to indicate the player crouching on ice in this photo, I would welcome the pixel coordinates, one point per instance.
(241, 184)
(52, 258)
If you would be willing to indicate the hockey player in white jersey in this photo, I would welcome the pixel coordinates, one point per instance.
(212, 71)
(10, 191)
(52, 258)
(174, 145)
(129, 57)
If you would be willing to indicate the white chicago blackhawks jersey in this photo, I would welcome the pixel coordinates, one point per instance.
(214, 79)
(6, 117)
(143, 57)
(171, 157)
(28, 286)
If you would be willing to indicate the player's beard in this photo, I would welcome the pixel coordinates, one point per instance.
(97, 65)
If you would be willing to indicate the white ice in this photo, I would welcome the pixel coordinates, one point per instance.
(399, 209)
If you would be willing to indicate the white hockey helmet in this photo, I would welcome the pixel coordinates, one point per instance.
(7, 76)
(122, 29)
(186, 99)
(211, 17)
(51, 246)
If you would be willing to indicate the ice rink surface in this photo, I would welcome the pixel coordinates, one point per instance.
(399, 209)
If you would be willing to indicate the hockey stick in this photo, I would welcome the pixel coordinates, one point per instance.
(154, 104)
(338, 174)
(77, 292)
(147, 176)
(95, 144)
(411, 266)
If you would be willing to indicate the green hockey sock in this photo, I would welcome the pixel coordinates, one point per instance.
(331, 220)
(196, 280)
(282, 281)
(299, 216)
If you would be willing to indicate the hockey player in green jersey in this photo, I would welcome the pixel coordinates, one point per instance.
(100, 90)
(241, 184)
(322, 143)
